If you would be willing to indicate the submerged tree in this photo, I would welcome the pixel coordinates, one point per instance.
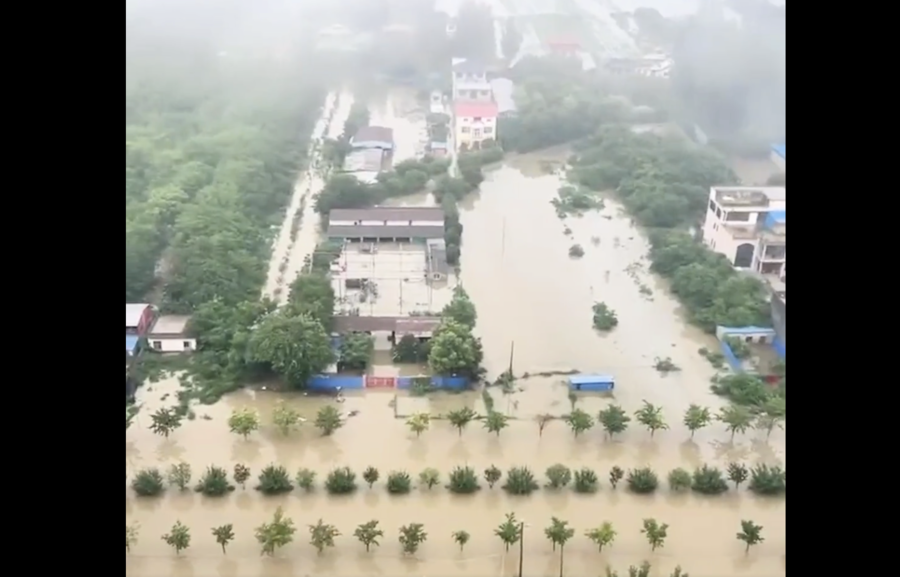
(542, 421)
(411, 536)
(241, 475)
(419, 423)
(180, 475)
(178, 537)
(655, 532)
(328, 420)
(460, 418)
(772, 415)
(509, 531)
(750, 534)
(243, 422)
(696, 417)
(224, 535)
(430, 477)
(164, 421)
(616, 474)
(559, 534)
(492, 474)
(131, 535)
(614, 420)
(321, 535)
(461, 538)
(602, 536)
(651, 417)
(737, 473)
(276, 533)
(579, 421)
(368, 534)
(285, 418)
(737, 419)
(496, 422)
(370, 476)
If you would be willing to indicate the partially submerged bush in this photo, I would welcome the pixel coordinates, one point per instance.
(709, 481)
(679, 480)
(558, 476)
(642, 481)
(274, 480)
(586, 481)
(520, 481)
(341, 481)
(463, 481)
(766, 480)
(399, 483)
(306, 479)
(214, 482)
(148, 482)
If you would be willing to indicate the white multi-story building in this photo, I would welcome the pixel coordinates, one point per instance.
(470, 81)
(747, 225)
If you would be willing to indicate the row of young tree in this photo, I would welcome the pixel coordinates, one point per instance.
(281, 529)
(463, 480)
(613, 419)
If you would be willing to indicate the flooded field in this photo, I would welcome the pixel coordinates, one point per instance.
(531, 296)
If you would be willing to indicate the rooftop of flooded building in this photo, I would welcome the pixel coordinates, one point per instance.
(748, 195)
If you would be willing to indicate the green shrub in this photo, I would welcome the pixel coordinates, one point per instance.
(463, 481)
(586, 481)
(558, 476)
(642, 481)
(709, 481)
(341, 481)
(214, 482)
(679, 480)
(274, 480)
(306, 479)
(148, 483)
(766, 480)
(520, 481)
(399, 483)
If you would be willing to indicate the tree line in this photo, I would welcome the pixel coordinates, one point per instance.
(273, 479)
(280, 530)
(613, 419)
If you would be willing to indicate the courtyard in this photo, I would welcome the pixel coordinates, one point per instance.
(388, 279)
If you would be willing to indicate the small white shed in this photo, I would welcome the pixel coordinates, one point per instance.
(169, 335)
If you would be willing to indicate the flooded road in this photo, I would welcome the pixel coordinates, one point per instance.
(299, 232)
(703, 544)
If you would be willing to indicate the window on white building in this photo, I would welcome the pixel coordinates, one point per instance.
(712, 205)
(186, 345)
(477, 133)
(734, 216)
(157, 345)
(488, 130)
(477, 119)
(465, 130)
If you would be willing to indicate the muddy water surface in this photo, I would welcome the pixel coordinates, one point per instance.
(528, 292)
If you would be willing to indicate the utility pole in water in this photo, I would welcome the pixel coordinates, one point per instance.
(521, 547)
(512, 352)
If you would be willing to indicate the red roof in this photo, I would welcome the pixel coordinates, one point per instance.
(475, 109)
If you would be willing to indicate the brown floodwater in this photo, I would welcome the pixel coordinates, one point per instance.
(529, 293)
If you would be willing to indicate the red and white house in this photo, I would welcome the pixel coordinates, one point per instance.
(474, 122)
(138, 318)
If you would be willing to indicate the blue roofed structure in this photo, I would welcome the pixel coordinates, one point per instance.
(774, 218)
(583, 382)
(131, 344)
(778, 155)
